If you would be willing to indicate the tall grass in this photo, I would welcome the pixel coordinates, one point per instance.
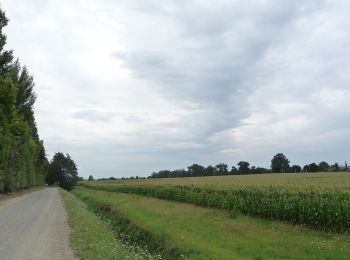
(325, 209)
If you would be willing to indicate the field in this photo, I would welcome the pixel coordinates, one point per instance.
(330, 180)
(273, 216)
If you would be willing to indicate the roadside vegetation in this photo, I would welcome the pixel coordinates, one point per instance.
(177, 230)
(92, 238)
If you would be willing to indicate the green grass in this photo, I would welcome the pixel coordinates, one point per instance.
(201, 233)
(91, 238)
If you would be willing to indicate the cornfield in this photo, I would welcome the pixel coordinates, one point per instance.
(325, 209)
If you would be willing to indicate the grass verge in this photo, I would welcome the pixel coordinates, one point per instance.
(201, 233)
(91, 238)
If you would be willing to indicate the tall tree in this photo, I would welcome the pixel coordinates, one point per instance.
(295, 168)
(62, 170)
(209, 171)
(313, 167)
(221, 169)
(243, 167)
(280, 163)
(323, 167)
(23, 161)
(6, 57)
(196, 170)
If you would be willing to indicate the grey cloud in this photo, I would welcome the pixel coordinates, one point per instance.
(212, 63)
(239, 72)
(93, 115)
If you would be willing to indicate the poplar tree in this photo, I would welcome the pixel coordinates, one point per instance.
(23, 161)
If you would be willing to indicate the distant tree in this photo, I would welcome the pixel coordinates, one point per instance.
(345, 166)
(280, 163)
(295, 168)
(62, 170)
(221, 169)
(336, 167)
(178, 173)
(91, 178)
(312, 167)
(258, 170)
(253, 170)
(161, 174)
(234, 170)
(323, 167)
(243, 167)
(210, 171)
(196, 170)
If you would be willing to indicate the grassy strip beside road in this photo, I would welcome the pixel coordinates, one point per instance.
(90, 237)
(200, 233)
(322, 208)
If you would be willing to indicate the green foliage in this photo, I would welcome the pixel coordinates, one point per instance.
(7, 95)
(221, 169)
(5, 56)
(295, 168)
(23, 161)
(323, 167)
(280, 163)
(312, 167)
(324, 209)
(62, 170)
(243, 167)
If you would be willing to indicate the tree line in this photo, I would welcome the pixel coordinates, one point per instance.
(23, 161)
(279, 164)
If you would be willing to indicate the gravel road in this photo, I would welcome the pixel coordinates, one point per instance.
(34, 226)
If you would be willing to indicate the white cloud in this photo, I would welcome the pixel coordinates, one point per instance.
(130, 87)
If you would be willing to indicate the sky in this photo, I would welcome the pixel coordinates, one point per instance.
(130, 87)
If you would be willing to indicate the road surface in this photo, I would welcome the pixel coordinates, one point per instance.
(34, 226)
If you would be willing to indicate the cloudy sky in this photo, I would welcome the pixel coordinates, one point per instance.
(129, 87)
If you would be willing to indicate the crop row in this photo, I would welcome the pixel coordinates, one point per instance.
(324, 209)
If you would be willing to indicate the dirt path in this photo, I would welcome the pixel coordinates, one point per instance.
(34, 226)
